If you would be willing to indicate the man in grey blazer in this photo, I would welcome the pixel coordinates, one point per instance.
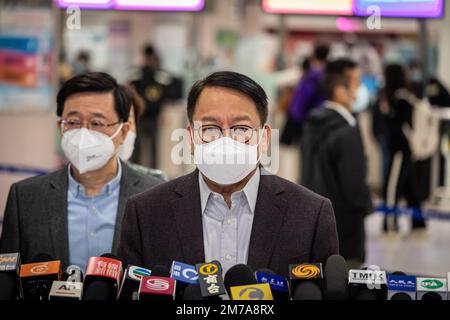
(76, 212)
(228, 210)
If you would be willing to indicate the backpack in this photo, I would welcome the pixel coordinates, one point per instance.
(423, 136)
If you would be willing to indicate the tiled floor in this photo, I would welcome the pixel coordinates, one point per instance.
(425, 252)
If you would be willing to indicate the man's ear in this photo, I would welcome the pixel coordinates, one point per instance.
(267, 133)
(123, 132)
(190, 136)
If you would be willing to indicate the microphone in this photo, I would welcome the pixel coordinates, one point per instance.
(431, 289)
(37, 277)
(160, 271)
(157, 288)
(367, 284)
(299, 274)
(192, 292)
(103, 275)
(239, 275)
(184, 274)
(401, 287)
(278, 284)
(71, 286)
(10, 288)
(260, 291)
(335, 279)
(307, 290)
(131, 281)
(210, 279)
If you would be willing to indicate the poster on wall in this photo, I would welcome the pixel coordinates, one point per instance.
(26, 55)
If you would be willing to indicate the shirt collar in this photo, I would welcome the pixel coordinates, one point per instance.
(250, 190)
(78, 189)
(347, 115)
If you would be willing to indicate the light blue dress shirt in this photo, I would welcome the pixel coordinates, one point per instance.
(226, 231)
(91, 220)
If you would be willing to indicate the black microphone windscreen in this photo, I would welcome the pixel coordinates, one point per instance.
(366, 295)
(431, 296)
(307, 290)
(160, 271)
(8, 283)
(99, 290)
(192, 292)
(401, 296)
(42, 257)
(399, 273)
(111, 256)
(239, 275)
(336, 278)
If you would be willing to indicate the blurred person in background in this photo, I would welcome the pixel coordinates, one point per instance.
(402, 180)
(308, 94)
(334, 164)
(125, 151)
(76, 212)
(82, 63)
(154, 86)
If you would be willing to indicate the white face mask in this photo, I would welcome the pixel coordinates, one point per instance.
(125, 151)
(226, 161)
(88, 150)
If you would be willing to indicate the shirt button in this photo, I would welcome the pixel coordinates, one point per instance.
(228, 257)
(92, 234)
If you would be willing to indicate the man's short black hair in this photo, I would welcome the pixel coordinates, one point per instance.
(321, 52)
(95, 82)
(336, 75)
(231, 80)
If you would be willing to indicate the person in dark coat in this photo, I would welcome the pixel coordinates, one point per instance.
(334, 163)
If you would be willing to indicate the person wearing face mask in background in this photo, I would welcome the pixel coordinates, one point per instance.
(230, 208)
(334, 163)
(126, 149)
(76, 212)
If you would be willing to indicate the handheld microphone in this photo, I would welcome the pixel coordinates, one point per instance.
(401, 287)
(260, 291)
(157, 288)
(335, 279)
(299, 274)
(367, 284)
(192, 292)
(307, 290)
(185, 275)
(431, 289)
(10, 288)
(210, 279)
(278, 284)
(131, 281)
(239, 275)
(37, 277)
(71, 286)
(103, 275)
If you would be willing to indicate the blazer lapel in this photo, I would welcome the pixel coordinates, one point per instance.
(128, 188)
(267, 222)
(57, 215)
(188, 219)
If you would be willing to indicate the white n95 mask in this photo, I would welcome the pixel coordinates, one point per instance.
(125, 151)
(88, 150)
(226, 161)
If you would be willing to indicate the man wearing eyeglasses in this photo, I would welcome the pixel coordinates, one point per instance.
(75, 213)
(230, 208)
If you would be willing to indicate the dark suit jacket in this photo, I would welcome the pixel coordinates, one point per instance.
(291, 225)
(35, 219)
